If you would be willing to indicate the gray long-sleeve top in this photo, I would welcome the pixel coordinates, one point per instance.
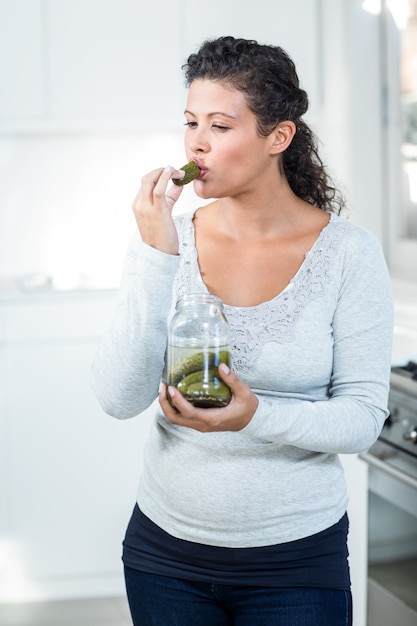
(318, 356)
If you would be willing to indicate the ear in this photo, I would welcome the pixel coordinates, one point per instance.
(282, 136)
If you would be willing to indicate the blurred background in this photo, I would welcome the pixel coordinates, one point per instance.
(91, 98)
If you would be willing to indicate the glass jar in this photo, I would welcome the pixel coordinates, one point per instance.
(198, 341)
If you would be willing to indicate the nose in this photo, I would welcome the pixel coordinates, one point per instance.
(197, 141)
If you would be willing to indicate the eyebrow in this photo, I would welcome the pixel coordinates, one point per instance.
(232, 117)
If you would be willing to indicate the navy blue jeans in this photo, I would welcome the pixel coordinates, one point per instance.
(163, 601)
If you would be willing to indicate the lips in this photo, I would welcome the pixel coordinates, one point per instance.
(203, 169)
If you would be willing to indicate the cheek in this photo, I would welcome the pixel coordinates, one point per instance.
(234, 158)
(238, 167)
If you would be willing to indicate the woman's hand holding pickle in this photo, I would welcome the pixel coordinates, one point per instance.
(153, 206)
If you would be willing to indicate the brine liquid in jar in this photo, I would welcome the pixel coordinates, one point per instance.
(198, 341)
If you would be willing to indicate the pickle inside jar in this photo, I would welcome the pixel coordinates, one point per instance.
(197, 378)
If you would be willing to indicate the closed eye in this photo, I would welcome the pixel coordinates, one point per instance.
(220, 127)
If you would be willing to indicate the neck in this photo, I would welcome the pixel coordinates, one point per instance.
(261, 215)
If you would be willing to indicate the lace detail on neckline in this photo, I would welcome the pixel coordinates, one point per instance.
(274, 320)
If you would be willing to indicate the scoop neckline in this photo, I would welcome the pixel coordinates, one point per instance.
(279, 295)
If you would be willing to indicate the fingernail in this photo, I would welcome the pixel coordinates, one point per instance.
(171, 391)
(225, 368)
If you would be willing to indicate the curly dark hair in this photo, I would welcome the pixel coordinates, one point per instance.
(267, 77)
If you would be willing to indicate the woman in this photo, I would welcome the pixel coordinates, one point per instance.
(241, 512)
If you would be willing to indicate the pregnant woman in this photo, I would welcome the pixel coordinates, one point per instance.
(241, 514)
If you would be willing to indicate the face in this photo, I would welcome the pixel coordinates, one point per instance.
(222, 138)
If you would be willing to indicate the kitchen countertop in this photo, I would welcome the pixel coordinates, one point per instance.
(39, 288)
(39, 285)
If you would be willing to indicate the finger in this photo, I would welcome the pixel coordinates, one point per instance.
(228, 375)
(240, 390)
(173, 194)
(185, 408)
(154, 185)
(173, 403)
(203, 419)
(150, 180)
(160, 195)
(163, 179)
(179, 411)
(166, 402)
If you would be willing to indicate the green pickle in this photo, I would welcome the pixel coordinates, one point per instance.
(191, 170)
(197, 378)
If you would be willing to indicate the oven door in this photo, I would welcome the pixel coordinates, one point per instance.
(392, 537)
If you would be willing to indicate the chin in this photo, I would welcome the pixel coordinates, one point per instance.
(206, 192)
(204, 196)
(201, 191)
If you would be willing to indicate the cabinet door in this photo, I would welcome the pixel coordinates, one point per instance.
(21, 63)
(295, 26)
(71, 477)
(114, 59)
(68, 471)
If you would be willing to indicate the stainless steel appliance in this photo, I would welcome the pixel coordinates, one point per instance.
(392, 524)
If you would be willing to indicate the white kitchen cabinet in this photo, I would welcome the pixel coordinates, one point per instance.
(69, 472)
(119, 58)
(21, 60)
(89, 64)
(356, 474)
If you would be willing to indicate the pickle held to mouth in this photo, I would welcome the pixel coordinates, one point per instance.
(191, 170)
